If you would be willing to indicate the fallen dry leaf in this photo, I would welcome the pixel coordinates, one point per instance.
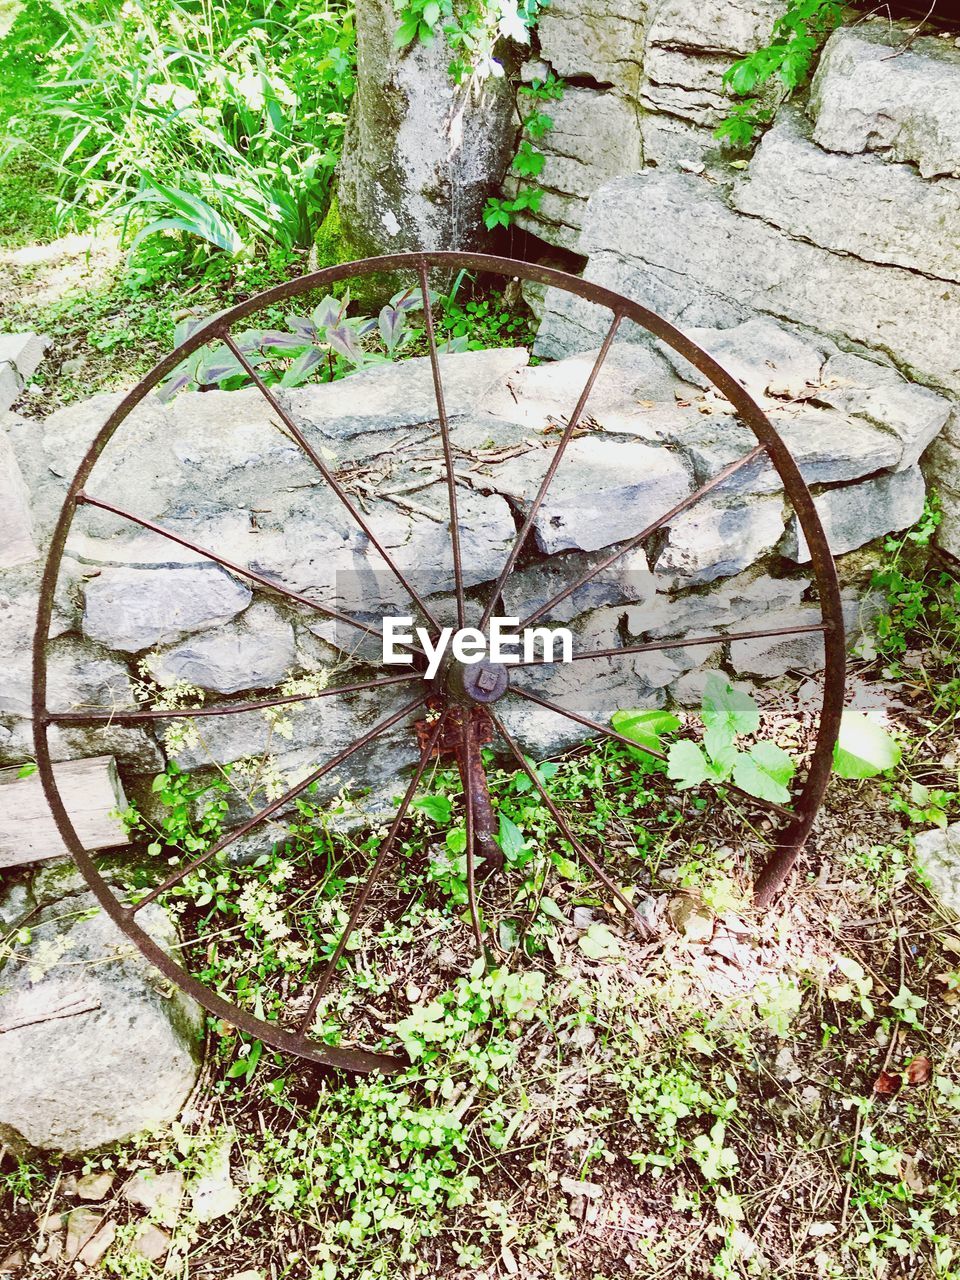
(919, 1070)
(887, 1084)
(910, 1174)
(950, 994)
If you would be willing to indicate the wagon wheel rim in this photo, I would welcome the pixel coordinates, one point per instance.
(798, 820)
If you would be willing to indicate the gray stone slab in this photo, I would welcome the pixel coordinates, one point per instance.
(857, 204)
(853, 515)
(873, 92)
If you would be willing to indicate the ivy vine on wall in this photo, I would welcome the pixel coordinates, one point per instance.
(788, 58)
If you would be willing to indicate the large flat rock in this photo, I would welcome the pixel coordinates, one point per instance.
(134, 609)
(853, 515)
(94, 1048)
(857, 204)
(604, 491)
(875, 91)
(670, 242)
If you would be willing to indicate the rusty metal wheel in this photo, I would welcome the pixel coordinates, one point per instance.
(460, 711)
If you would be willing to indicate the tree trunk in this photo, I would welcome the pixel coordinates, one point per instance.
(421, 154)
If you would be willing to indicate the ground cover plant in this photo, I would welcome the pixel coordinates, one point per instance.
(731, 1095)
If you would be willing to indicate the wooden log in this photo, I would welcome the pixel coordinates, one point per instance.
(92, 794)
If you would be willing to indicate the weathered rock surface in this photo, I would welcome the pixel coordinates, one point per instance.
(942, 469)
(878, 394)
(736, 27)
(595, 136)
(133, 609)
(938, 853)
(628, 580)
(665, 239)
(651, 432)
(711, 541)
(767, 359)
(685, 87)
(653, 72)
(17, 545)
(603, 492)
(20, 354)
(602, 39)
(544, 394)
(722, 607)
(857, 204)
(255, 652)
(404, 185)
(769, 657)
(871, 94)
(93, 1048)
(854, 515)
(81, 677)
(318, 731)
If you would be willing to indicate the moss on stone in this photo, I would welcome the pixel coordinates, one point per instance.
(334, 245)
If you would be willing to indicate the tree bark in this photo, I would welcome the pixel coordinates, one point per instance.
(421, 154)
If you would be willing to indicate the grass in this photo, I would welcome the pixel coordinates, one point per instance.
(27, 187)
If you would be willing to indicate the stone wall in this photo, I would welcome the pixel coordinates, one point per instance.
(844, 229)
(644, 87)
(136, 613)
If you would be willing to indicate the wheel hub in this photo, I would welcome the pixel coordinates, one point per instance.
(481, 682)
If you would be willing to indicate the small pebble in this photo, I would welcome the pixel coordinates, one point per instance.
(94, 1186)
(151, 1242)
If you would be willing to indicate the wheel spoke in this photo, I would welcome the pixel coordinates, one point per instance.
(447, 447)
(681, 642)
(269, 810)
(471, 826)
(225, 709)
(565, 828)
(637, 746)
(642, 536)
(373, 876)
(332, 481)
(537, 503)
(90, 501)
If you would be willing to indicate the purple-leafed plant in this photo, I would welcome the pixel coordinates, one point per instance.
(324, 345)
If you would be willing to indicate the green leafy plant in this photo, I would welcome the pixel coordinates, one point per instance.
(485, 320)
(922, 615)
(452, 1023)
(473, 30)
(326, 344)
(190, 117)
(528, 161)
(795, 38)
(645, 726)
(926, 805)
(763, 769)
(864, 748)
